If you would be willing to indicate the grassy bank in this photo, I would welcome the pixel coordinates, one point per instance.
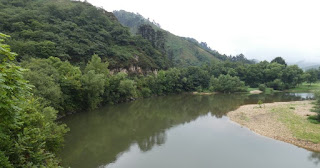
(306, 87)
(267, 91)
(299, 125)
(285, 121)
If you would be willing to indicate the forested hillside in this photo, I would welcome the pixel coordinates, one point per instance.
(74, 31)
(181, 51)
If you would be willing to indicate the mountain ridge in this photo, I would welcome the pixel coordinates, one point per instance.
(183, 51)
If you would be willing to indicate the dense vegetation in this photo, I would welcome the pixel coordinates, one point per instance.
(316, 107)
(29, 137)
(67, 88)
(181, 51)
(74, 31)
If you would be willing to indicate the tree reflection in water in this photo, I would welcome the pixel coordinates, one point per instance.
(315, 157)
(100, 136)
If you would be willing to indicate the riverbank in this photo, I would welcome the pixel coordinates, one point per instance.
(284, 121)
(305, 88)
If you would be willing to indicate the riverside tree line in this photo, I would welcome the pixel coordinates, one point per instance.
(69, 88)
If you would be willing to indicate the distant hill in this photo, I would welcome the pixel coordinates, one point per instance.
(311, 67)
(74, 31)
(182, 51)
(306, 65)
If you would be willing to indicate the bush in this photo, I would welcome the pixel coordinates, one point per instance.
(145, 92)
(277, 84)
(262, 87)
(227, 84)
(316, 107)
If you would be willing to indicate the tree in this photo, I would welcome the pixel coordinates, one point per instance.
(311, 76)
(29, 137)
(279, 60)
(292, 76)
(97, 65)
(127, 89)
(196, 78)
(45, 78)
(316, 107)
(227, 84)
(94, 81)
(57, 83)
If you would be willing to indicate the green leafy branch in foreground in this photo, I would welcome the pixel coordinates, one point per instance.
(29, 137)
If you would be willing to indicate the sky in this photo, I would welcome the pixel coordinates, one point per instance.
(260, 29)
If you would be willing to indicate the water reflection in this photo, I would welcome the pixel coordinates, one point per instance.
(315, 157)
(99, 137)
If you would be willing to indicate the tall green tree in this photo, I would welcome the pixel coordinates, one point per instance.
(279, 60)
(311, 76)
(94, 81)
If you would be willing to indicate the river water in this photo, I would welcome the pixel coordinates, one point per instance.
(178, 131)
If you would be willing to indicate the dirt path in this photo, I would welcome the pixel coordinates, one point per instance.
(265, 121)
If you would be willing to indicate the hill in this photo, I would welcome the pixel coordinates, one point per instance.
(182, 51)
(74, 31)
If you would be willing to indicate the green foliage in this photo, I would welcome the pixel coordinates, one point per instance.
(316, 107)
(196, 77)
(57, 83)
(305, 87)
(29, 137)
(73, 31)
(98, 66)
(292, 76)
(181, 51)
(44, 77)
(279, 60)
(127, 89)
(112, 93)
(227, 84)
(311, 76)
(94, 81)
(5, 51)
(314, 119)
(277, 84)
(262, 87)
(146, 92)
(260, 103)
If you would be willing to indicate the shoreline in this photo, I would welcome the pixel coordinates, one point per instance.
(270, 121)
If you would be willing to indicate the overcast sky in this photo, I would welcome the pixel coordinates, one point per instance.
(260, 29)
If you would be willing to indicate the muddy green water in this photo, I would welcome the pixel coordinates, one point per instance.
(178, 131)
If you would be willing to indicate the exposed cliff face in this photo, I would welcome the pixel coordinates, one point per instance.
(134, 69)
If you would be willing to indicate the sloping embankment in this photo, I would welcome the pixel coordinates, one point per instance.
(285, 121)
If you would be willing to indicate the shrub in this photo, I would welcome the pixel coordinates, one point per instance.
(145, 92)
(316, 107)
(262, 87)
(277, 84)
(227, 84)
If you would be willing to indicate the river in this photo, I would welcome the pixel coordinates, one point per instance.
(178, 131)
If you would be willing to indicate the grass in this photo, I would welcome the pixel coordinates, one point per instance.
(306, 87)
(251, 89)
(301, 127)
(267, 91)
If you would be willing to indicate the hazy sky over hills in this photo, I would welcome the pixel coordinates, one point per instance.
(258, 29)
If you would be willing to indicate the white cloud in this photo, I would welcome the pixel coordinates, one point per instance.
(259, 29)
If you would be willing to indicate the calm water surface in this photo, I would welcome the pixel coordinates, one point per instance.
(178, 131)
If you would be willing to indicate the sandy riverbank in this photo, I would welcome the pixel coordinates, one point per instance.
(285, 121)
